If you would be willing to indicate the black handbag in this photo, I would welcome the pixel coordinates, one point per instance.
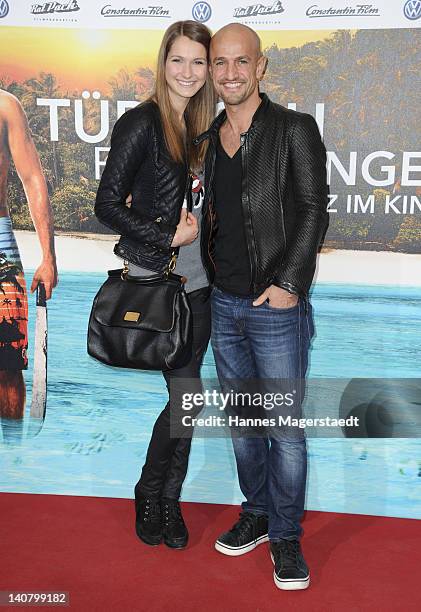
(143, 322)
(139, 322)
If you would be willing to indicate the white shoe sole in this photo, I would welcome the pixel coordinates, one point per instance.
(242, 550)
(292, 584)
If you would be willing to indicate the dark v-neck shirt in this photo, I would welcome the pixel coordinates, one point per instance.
(231, 256)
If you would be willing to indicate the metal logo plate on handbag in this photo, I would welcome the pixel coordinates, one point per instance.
(132, 316)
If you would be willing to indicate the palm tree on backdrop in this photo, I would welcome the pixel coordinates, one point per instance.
(45, 85)
(145, 83)
(123, 86)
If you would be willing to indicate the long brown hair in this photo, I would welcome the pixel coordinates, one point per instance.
(201, 107)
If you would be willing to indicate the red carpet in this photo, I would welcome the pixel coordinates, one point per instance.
(87, 546)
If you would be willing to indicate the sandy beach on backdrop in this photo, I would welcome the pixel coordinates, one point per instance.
(93, 253)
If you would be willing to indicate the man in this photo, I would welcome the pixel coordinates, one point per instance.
(16, 144)
(264, 219)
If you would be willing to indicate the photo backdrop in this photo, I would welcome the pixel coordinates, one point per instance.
(76, 66)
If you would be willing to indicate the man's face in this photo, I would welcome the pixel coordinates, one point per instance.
(236, 66)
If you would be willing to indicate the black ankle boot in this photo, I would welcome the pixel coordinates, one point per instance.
(174, 530)
(148, 520)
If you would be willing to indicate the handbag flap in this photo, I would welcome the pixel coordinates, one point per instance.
(137, 305)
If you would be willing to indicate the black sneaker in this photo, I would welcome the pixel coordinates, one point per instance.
(174, 530)
(148, 520)
(247, 533)
(291, 571)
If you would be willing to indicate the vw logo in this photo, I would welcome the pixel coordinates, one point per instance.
(202, 11)
(412, 9)
(4, 8)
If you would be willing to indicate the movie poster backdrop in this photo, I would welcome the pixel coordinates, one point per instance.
(75, 67)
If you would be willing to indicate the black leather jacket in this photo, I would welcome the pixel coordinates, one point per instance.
(284, 197)
(139, 163)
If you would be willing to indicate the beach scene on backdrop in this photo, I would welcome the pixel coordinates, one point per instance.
(367, 295)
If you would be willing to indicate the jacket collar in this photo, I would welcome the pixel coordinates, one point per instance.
(257, 119)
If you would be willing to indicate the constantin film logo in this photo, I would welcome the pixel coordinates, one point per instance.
(412, 9)
(258, 10)
(358, 10)
(108, 10)
(4, 8)
(49, 8)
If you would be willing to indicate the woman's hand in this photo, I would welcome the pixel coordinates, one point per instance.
(187, 229)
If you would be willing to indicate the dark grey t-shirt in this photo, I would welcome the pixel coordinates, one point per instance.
(189, 261)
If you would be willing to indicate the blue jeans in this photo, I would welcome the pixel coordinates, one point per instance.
(263, 342)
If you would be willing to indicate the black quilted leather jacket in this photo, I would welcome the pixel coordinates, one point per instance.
(284, 197)
(139, 163)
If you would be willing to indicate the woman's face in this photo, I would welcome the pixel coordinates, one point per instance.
(186, 68)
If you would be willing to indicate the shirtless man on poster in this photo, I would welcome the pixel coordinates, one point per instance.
(16, 145)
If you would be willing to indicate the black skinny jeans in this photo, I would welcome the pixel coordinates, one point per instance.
(167, 458)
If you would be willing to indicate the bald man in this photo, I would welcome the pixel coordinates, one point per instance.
(264, 219)
(16, 144)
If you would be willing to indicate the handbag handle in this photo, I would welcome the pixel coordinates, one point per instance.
(170, 268)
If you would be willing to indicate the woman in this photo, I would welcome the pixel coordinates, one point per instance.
(153, 159)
